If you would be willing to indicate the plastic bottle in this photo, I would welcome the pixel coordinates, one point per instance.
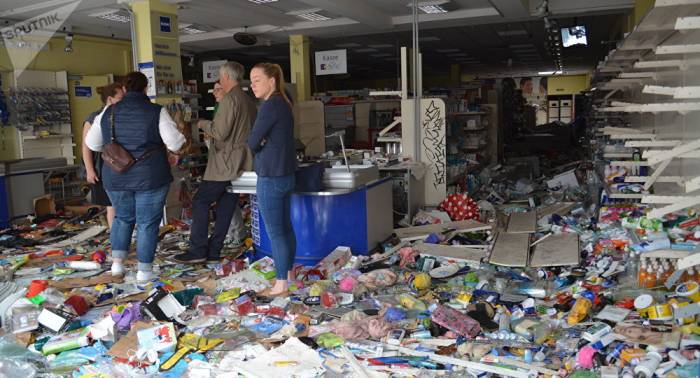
(581, 308)
(650, 278)
(642, 274)
(648, 365)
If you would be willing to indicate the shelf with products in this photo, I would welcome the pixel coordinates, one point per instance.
(39, 115)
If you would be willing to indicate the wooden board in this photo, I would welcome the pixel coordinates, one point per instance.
(561, 208)
(556, 250)
(522, 223)
(510, 250)
(421, 232)
(471, 256)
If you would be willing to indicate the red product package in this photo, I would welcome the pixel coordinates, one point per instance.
(455, 321)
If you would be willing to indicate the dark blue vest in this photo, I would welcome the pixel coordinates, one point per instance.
(136, 129)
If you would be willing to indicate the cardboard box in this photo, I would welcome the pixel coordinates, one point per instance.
(44, 205)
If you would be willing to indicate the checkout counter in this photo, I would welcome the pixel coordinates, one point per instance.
(354, 210)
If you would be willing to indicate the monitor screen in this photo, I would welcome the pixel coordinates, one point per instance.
(574, 36)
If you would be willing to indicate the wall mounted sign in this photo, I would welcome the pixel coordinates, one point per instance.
(331, 62)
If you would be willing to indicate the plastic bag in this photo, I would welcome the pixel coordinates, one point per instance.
(18, 362)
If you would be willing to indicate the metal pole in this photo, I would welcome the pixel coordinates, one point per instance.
(416, 94)
(134, 43)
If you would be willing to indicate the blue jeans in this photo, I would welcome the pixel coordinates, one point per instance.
(274, 200)
(143, 209)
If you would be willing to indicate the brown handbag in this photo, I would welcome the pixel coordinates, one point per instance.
(115, 155)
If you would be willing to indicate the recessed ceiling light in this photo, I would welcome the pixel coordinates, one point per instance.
(190, 29)
(310, 14)
(262, 1)
(116, 15)
(313, 17)
(432, 9)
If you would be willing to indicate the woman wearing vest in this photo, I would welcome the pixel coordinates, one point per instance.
(272, 142)
(138, 195)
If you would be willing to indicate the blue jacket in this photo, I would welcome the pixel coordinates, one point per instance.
(136, 129)
(275, 125)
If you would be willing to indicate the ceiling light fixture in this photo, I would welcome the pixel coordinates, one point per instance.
(310, 14)
(262, 1)
(313, 17)
(190, 29)
(116, 15)
(431, 7)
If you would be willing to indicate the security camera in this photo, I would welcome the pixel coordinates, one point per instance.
(68, 43)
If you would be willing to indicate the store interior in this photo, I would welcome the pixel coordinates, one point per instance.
(483, 188)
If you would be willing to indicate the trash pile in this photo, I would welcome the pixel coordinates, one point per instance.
(514, 288)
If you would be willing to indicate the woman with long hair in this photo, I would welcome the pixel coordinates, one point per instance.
(272, 142)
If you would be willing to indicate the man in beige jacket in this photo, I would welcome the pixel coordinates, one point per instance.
(228, 157)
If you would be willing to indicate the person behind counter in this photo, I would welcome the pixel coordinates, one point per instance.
(110, 95)
(145, 130)
(272, 142)
(228, 158)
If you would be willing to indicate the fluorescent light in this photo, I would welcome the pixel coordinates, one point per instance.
(262, 1)
(314, 17)
(116, 15)
(190, 29)
(310, 15)
(432, 9)
(546, 73)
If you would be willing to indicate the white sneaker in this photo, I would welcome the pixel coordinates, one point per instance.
(117, 269)
(144, 276)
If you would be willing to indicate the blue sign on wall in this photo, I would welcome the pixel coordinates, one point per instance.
(83, 91)
(165, 24)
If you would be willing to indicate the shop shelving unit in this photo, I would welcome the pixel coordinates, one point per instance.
(40, 115)
(654, 67)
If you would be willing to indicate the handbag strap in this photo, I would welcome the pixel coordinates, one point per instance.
(112, 138)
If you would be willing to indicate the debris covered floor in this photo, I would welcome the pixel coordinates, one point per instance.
(563, 288)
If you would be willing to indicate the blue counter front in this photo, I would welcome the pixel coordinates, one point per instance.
(357, 218)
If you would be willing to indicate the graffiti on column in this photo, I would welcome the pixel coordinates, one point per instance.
(434, 143)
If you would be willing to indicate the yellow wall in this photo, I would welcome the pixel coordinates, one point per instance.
(566, 85)
(91, 56)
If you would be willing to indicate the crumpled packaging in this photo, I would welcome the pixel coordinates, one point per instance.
(378, 278)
